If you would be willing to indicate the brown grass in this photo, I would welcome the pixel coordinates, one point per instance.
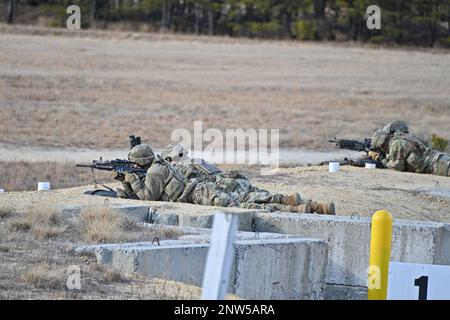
(24, 176)
(46, 222)
(6, 212)
(20, 225)
(103, 224)
(45, 277)
(96, 224)
(311, 92)
(111, 275)
(43, 221)
(34, 269)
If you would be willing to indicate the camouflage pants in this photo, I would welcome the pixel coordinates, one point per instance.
(210, 194)
(245, 192)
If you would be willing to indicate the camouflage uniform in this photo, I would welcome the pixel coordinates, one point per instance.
(230, 181)
(403, 151)
(234, 186)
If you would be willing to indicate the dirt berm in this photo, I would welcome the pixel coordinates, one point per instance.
(357, 191)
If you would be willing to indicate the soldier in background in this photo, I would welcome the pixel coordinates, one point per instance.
(237, 185)
(400, 150)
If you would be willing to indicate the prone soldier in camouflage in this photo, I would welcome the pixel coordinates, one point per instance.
(238, 186)
(400, 150)
(163, 182)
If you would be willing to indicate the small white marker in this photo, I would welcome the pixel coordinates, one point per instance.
(43, 186)
(371, 165)
(333, 167)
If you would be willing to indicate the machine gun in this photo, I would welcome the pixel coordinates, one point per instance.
(354, 145)
(118, 165)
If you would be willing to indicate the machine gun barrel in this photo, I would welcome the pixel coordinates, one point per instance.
(120, 166)
(354, 145)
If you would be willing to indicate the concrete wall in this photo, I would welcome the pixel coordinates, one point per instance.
(286, 268)
(348, 241)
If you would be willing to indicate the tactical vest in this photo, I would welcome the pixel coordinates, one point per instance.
(174, 184)
(418, 155)
(198, 169)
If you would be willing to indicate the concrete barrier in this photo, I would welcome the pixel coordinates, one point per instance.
(348, 239)
(348, 242)
(267, 268)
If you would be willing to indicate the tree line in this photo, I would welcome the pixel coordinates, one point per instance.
(403, 22)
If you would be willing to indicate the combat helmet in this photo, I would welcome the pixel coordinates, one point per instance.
(141, 154)
(396, 126)
(174, 151)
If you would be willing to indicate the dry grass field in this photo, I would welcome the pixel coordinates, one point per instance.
(94, 89)
(21, 175)
(37, 248)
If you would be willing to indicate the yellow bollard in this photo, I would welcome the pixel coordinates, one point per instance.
(380, 254)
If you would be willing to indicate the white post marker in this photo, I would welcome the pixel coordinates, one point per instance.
(43, 186)
(413, 281)
(333, 166)
(220, 256)
(371, 165)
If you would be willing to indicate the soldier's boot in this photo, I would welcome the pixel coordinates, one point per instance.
(305, 207)
(323, 208)
(292, 200)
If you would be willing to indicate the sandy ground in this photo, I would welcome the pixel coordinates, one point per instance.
(94, 90)
(355, 191)
(361, 191)
(32, 268)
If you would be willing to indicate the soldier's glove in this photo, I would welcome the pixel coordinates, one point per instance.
(131, 177)
(118, 176)
(374, 155)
